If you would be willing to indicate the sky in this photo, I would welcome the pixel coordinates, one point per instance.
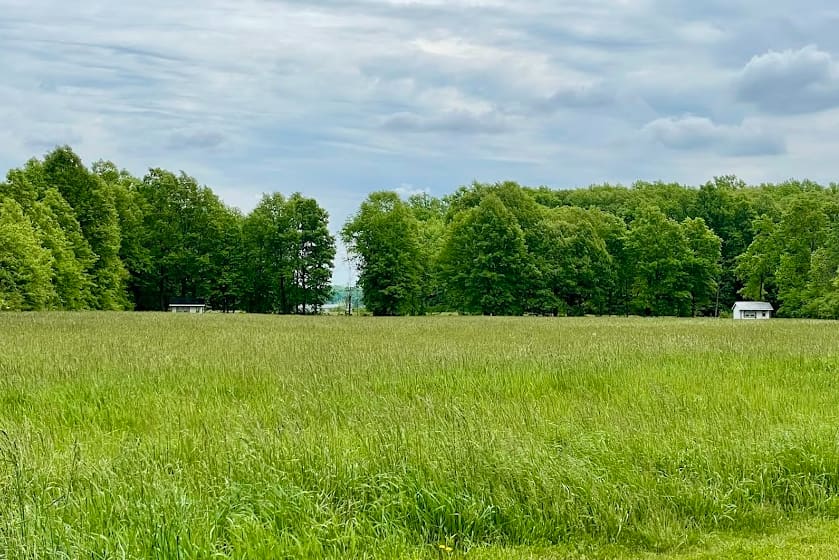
(339, 98)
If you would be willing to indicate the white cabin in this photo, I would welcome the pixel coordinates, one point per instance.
(187, 307)
(752, 310)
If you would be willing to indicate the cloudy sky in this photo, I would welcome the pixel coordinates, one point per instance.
(336, 98)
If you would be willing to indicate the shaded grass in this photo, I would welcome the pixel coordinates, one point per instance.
(171, 436)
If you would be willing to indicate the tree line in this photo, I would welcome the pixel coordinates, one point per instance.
(649, 249)
(73, 237)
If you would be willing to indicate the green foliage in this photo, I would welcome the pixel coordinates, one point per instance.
(58, 232)
(653, 249)
(577, 269)
(313, 255)
(185, 227)
(134, 250)
(672, 199)
(384, 238)
(116, 241)
(265, 274)
(724, 206)
(823, 282)
(793, 257)
(489, 238)
(431, 215)
(802, 230)
(25, 266)
(658, 249)
(701, 264)
(288, 256)
(95, 210)
(71, 256)
(675, 265)
(756, 267)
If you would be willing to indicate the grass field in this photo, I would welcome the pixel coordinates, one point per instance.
(174, 436)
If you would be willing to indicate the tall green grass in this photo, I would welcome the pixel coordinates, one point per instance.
(173, 436)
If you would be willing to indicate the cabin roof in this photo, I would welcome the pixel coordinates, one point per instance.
(753, 306)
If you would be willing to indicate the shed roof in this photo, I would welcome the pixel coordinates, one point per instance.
(186, 300)
(753, 306)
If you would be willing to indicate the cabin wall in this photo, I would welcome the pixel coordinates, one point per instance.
(186, 309)
(749, 315)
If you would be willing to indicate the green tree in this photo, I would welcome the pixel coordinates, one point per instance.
(267, 274)
(756, 267)
(616, 281)
(658, 250)
(723, 205)
(58, 231)
(130, 207)
(25, 266)
(485, 260)
(801, 232)
(94, 208)
(430, 213)
(313, 255)
(384, 239)
(823, 285)
(575, 267)
(702, 265)
(25, 185)
(73, 286)
(225, 292)
(672, 199)
(184, 225)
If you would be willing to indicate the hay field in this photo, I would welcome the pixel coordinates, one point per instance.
(175, 436)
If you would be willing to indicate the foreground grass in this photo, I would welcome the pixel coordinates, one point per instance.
(815, 540)
(170, 436)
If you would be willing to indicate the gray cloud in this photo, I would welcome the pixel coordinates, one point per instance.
(800, 81)
(456, 122)
(579, 96)
(197, 139)
(701, 134)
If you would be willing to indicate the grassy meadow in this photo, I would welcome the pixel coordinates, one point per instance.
(179, 436)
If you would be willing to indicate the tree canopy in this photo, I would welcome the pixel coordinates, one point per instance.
(648, 249)
(75, 237)
(99, 238)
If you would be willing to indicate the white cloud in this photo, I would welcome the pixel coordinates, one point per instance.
(701, 32)
(700, 134)
(407, 190)
(791, 81)
(454, 122)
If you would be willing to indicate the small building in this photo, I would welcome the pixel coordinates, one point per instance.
(752, 310)
(187, 307)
